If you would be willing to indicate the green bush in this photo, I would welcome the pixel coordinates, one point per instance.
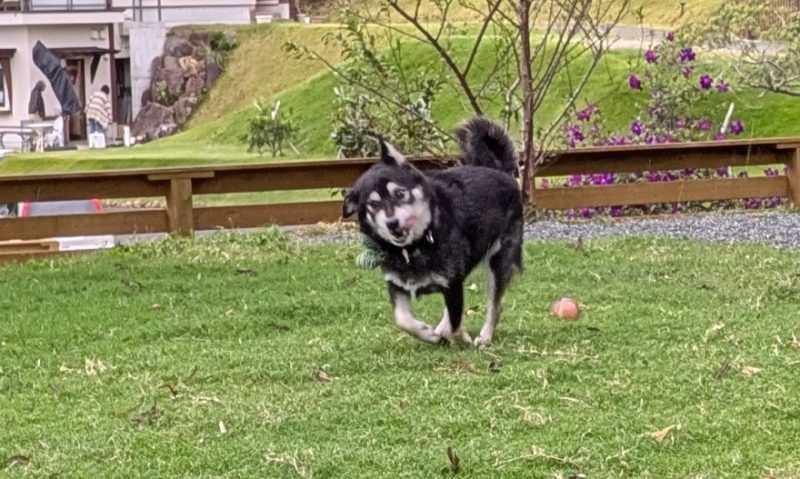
(268, 130)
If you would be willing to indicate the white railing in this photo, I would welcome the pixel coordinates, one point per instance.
(65, 5)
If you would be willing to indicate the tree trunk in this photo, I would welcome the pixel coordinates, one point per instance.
(526, 79)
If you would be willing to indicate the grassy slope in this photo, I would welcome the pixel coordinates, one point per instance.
(656, 13)
(260, 69)
(771, 115)
(124, 364)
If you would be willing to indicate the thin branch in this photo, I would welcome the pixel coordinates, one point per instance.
(445, 56)
(486, 21)
(376, 92)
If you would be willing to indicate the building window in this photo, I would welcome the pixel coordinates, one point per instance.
(5, 97)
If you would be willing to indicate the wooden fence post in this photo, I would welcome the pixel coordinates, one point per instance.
(793, 177)
(179, 207)
(180, 211)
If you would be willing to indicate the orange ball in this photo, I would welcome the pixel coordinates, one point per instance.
(566, 308)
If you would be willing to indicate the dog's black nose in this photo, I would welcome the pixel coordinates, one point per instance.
(393, 225)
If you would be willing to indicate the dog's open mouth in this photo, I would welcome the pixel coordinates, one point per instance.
(399, 237)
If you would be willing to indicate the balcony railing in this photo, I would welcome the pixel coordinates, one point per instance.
(54, 5)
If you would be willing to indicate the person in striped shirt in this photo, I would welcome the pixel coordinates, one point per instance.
(98, 111)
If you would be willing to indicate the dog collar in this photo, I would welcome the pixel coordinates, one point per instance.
(406, 256)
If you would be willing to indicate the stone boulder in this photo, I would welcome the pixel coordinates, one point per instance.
(172, 78)
(213, 72)
(153, 121)
(147, 96)
(199, 37)
(179, 77)
(200, 53)
(189, 65)
(183, 109)
(177, 46)
(170, 63)
(194, 86)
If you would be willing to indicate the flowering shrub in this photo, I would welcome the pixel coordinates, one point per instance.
(677, 108)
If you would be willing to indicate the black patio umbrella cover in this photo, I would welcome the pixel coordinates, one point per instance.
(50, 65)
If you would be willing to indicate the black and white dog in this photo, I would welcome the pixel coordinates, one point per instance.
(434, 228)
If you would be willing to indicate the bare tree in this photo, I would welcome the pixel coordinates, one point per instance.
(536, 43)
(764, 41)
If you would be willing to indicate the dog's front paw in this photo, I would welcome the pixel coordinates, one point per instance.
(429, 336)
(482, 341)
(459, 338)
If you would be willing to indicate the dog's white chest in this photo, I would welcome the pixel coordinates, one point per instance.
(412, 285)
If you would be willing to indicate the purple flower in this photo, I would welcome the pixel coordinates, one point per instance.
(722, 172)
(670, 36)
(737, 127)
(637, 128)
(771, 172)
(687, 55)
(720, 137)
(706, 81)
(576, 134)
(651, 56)
(586, 213)
(723, 87)
(683, 123)
(586, 113)
(619, 140)
(704, 125)
(686, 71)
(544, 184)
(634, 82)
(616, 211)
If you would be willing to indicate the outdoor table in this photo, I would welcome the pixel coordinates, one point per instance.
(39, 127)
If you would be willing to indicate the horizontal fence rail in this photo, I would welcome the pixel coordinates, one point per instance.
(180, 186)
(675, 156)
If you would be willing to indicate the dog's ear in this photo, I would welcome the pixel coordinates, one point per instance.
(389, 154)
(350, 204)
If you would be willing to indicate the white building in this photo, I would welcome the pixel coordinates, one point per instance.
(100, 42)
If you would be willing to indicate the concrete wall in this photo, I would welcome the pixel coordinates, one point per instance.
(146, 43)
(147, 36)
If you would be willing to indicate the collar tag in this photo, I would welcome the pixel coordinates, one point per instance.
(405, 255)
(429, 237)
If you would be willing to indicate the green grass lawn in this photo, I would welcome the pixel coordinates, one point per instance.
(252, 356)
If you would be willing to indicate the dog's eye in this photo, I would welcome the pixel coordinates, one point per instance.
(401, 194)
(374, 204)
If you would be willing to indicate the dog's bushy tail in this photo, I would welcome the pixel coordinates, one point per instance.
(485, 143)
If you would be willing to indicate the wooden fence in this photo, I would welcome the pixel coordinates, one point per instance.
(777, 11)
(180, 185)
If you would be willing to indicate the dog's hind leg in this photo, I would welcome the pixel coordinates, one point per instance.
(401, 302)
(450, 326)
(502, 267)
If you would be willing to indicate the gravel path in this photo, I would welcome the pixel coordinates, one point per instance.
(777, 228)
(781, 229)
